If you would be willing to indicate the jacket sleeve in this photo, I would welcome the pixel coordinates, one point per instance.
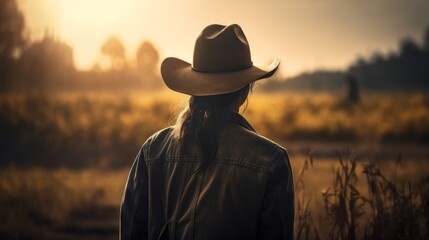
(134, 206)
(277, 212)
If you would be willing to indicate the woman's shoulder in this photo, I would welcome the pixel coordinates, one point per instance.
(159, 139)
(268, 152)
(160, 135)
(252, 148)
(256, 140)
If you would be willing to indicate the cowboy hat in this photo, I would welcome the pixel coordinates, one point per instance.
(221, 64)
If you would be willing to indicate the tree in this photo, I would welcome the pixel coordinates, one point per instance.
(409, 48)
(114, 49)
(46, 64)
(147, 62)
(12, 39)
(147, 56)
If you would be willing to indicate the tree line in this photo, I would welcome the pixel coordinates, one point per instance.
(404, 70)
(48, 64)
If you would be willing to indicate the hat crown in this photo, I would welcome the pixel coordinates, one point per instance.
(221, 48)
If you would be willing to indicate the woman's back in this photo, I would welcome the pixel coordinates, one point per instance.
(224, 200)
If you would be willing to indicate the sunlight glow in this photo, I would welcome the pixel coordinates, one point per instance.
(87, 22)
(305, 36)
(98, 15)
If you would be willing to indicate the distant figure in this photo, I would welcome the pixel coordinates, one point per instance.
(352, 89)
(211, 176)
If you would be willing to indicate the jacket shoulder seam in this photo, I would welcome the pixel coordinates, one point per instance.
(280, 152)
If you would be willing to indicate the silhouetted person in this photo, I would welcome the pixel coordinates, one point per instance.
(352, 89)
(211, 176)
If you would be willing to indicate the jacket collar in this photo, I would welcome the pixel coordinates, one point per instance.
(236, 118)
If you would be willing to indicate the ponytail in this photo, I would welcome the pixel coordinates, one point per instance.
(196, 124)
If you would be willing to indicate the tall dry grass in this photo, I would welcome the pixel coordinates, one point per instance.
(44, 204)
(378, 208)
(357, 202)
(305, 226)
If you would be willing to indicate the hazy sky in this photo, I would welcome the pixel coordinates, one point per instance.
(305, 35)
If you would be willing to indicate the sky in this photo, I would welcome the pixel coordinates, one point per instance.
(306, 35)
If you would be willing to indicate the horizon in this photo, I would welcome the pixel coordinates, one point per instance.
(320, 35)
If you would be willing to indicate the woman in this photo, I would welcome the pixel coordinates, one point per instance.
(211, 176)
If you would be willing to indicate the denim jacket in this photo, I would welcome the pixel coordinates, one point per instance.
(245, 193)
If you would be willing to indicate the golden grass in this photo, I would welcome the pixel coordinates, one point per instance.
(280, 115)
(98, 135)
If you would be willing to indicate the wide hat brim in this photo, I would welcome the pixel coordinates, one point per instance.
(179, 76)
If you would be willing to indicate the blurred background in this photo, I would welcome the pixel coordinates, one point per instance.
(80, 91)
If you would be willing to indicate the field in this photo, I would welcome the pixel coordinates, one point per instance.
(65, 159)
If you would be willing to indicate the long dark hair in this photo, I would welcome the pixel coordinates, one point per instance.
(196, 123)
